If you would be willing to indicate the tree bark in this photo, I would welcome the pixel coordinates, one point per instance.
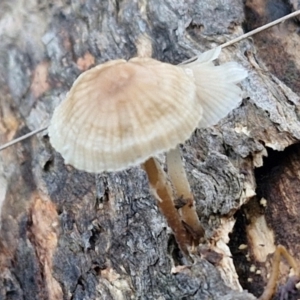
(67, 234)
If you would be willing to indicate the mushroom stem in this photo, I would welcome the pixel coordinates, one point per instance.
(183, 192)
(272, 283)
(162, 191)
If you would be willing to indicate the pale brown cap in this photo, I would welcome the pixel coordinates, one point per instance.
(120, 113)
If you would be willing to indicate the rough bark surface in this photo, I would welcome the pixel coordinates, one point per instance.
(67, 234)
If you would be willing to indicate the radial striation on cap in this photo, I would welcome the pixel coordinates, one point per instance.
(217, 92)
(120, 113)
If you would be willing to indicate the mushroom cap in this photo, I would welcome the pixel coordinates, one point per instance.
(120, 113)
(216, 89)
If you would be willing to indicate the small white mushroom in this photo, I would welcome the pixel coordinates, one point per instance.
(122, 113)
(182, 190)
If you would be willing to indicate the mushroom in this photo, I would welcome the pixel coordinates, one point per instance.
(124, 113)
(217, 94)
(273, 279)
(183, 192)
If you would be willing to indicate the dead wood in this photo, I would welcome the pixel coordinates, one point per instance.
(67, 234)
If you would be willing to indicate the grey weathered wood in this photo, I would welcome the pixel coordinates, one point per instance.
(66, 234)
